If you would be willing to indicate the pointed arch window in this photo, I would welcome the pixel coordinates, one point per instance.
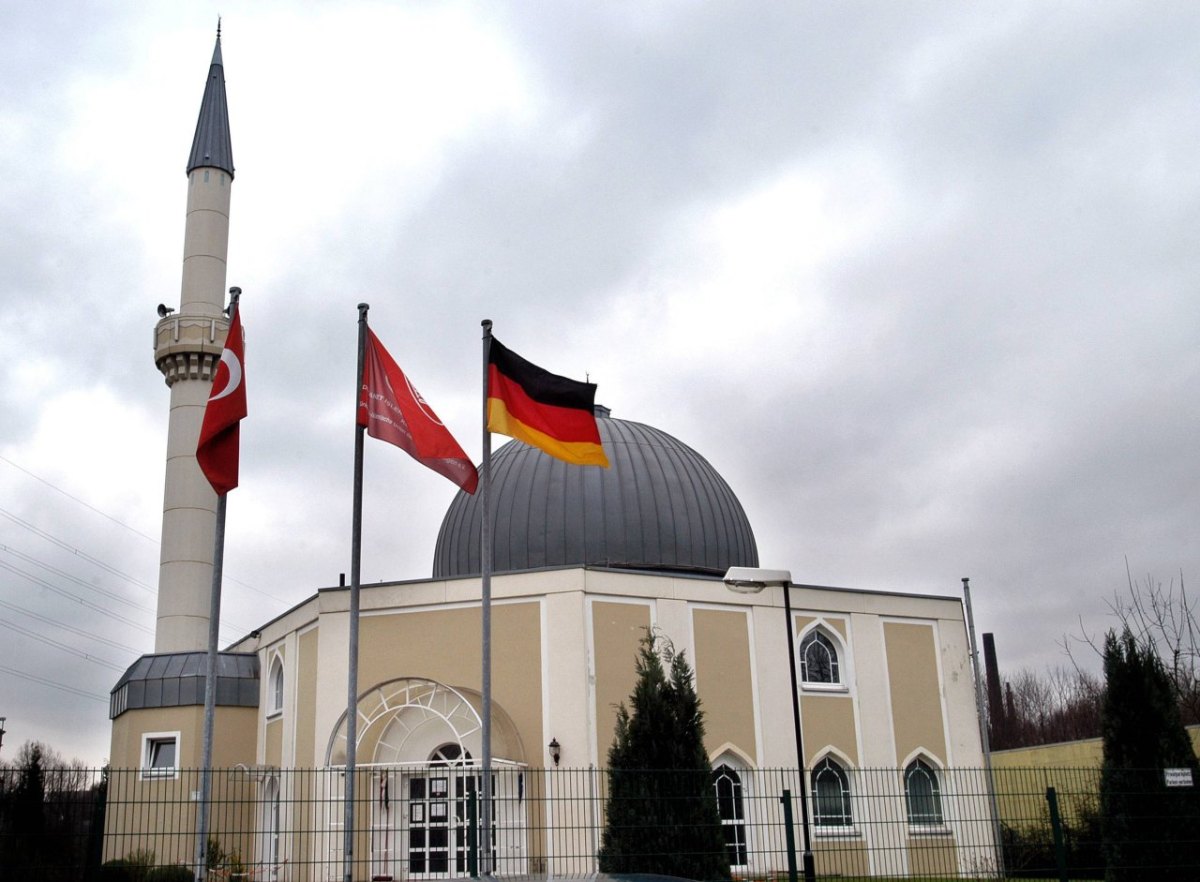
(923, 794)
(831, 794)
(819, 659)
(275, 686)
(731, 807)
(271, 826)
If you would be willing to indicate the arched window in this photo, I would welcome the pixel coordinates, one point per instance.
(923, 794)
(450, 754)
(271, 826)
(732, 809)
(818, 659)
(276, 685)
(831, 794)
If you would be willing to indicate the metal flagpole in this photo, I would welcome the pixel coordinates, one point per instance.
(983, 729)
(355, 554)
(210, 691)
(485, 569)
(210, 667)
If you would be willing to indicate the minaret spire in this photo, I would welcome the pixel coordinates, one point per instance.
(187, 347)
(211, 146)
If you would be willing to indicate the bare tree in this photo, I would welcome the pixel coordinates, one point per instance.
(1164, 619)
(1062, 704)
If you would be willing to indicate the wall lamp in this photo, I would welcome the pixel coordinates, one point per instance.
(555, 751)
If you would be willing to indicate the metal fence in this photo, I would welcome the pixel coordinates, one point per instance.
(419, 822)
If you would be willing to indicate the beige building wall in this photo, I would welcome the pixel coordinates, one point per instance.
(306, 697)
(617, 629)
(914, 691)
(724, 680)
(132, 791)
(564, 656)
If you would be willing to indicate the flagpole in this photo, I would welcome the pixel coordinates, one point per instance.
(210, 690)
(355, 554)
(210, 666)
(485, 568)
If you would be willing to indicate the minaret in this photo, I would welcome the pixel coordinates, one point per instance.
(187, 347)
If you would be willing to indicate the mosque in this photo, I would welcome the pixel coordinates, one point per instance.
(585, 561)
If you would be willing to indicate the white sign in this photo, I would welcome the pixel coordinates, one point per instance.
(1177, 777)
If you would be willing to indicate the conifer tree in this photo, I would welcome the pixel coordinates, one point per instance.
(1149, 829)
(661, 815)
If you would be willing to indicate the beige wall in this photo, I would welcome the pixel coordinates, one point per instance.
(723, 678)
(306, 698)
(828, 722)
(915, 690)
(125, 825)
(1086, 753)
(233, 735)
(617, 629)
(444, 645)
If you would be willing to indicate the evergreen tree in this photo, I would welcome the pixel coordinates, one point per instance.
(661, 815)
(1150, 831)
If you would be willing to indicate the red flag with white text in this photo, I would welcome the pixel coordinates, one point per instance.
(393, 410)
(217, 449)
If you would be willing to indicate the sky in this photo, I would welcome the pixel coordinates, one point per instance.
(919, 280)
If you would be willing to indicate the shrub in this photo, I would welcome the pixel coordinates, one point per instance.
(174, 873)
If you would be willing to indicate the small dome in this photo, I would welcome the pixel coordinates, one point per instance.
(660, 506)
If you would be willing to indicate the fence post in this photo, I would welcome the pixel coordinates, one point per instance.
(1060, 852)
(786, 799)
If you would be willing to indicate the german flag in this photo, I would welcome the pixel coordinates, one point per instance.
(544, 410)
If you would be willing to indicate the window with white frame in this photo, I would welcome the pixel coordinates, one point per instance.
(831, 794)
(731, 807)
(160, 755)
(923, 794)
(271, 821)
(819, 659)
(275, 685)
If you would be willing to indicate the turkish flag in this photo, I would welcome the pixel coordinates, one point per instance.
(393, 410)
(217, 450)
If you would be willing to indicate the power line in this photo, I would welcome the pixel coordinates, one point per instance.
(62, 574)
(76, 499)
(67, 594)
(75, 551)
(54, 685)
(116, 521)
(71, 649)
(65, 575)
(49, 621)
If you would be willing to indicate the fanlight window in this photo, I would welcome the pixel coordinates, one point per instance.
(923, 794)
(818, 659)
(831, 795)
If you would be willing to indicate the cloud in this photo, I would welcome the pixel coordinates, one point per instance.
(918, 282)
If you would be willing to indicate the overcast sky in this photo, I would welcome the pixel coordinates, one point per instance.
(920, 280)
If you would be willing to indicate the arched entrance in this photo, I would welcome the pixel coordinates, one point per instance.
(421, 742)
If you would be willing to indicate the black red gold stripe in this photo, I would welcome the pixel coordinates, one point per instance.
(552, 413)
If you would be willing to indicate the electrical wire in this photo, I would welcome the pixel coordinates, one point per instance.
(49, 621)
(64, 647)
(54, 685)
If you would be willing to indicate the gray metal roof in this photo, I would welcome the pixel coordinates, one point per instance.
(176, 679)
(211, 146)
(660, 506)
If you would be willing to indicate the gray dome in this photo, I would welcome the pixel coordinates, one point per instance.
(660, 506)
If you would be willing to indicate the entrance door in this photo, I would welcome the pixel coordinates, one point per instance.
(439, 805)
